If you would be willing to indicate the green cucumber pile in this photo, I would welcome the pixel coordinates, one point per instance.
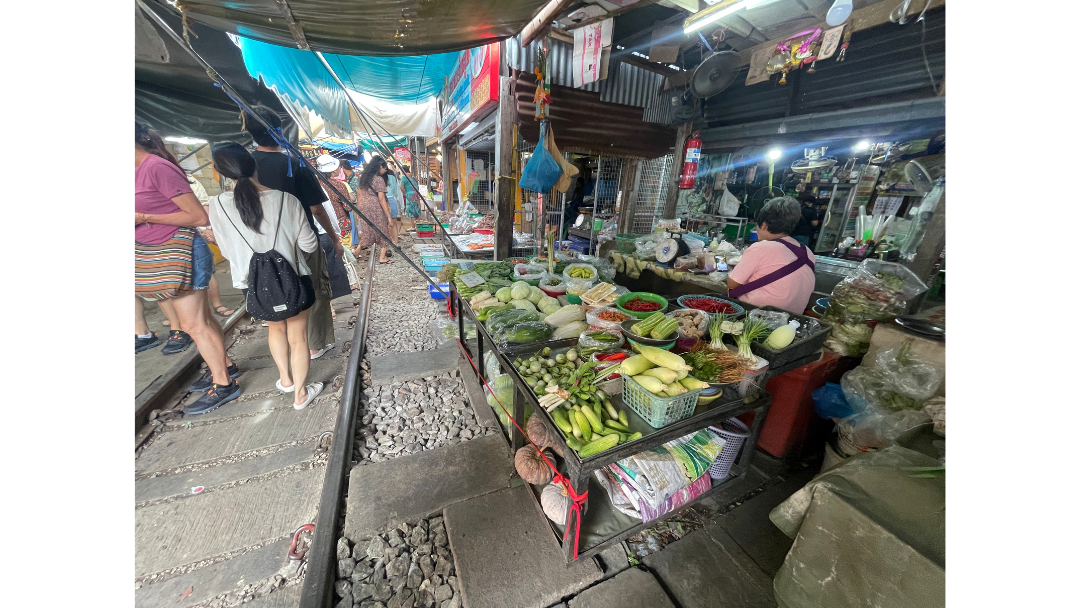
(658, 326)
(566, 384)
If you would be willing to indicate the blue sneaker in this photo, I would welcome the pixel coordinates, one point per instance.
(207, 379)
(215, 397)
(179, 341)
(142, 344)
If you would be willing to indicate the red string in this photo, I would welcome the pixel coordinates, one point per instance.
(578, 499)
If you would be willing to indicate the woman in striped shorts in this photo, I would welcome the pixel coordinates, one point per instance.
(172, 261)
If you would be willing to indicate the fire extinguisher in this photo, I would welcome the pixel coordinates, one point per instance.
(693, 154)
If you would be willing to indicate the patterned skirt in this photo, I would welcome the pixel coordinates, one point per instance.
(164, 271)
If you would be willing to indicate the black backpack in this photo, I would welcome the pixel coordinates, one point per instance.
(274, 292)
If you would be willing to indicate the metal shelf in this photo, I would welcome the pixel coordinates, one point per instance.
(578, 470)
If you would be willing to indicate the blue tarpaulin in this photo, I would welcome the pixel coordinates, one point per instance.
(300, 75)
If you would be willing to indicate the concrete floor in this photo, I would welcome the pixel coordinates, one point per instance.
(150, 364)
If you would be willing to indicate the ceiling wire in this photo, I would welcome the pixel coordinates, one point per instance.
(420, 86)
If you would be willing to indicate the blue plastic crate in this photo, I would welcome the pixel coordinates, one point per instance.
(435, 295)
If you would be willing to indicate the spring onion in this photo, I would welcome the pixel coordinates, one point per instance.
(754, 330)
(716, 332)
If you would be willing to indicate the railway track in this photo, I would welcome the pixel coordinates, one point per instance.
(220, 498)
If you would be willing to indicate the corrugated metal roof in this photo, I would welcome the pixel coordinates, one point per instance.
(626, 84)
(883, 64)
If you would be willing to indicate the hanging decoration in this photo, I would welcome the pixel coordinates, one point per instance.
(542, 96)
(793, 52)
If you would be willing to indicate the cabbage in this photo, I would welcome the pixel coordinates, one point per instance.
(570, 330)
(548, 304)
(523, 305)
(503, 295)
(519, 290)
(535, 294)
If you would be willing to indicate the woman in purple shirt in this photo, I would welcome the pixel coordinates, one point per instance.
(164, 208)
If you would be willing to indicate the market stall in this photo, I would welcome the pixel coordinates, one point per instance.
(637, 404)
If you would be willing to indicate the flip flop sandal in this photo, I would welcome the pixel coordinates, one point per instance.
(284, 389)
(321, 351)
(313, 391)
(228, 311)
(165, 322)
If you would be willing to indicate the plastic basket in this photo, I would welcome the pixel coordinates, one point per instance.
(425, 227)
(648, 297)
(624, 242)
(658, 411)
(425, 234)
(435, 295)
(734, 433)
(797, 349)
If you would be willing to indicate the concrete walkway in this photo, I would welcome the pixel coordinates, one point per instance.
(219, 496)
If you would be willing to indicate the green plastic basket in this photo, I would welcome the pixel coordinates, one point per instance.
(625, 242)
(649, 297)
(658, 411)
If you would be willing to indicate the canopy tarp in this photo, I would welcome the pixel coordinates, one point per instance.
(173, 93)
(371, 27)
(397, 92)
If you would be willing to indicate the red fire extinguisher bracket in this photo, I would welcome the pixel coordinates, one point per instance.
(690, 161)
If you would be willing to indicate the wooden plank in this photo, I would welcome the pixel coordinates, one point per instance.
(542, 21)
(187, 531)
(504, 185)
(231, 437)
(617, 12)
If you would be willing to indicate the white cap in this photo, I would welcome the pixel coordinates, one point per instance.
(327, 163)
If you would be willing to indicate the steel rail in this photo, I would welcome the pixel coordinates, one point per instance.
(317, 591)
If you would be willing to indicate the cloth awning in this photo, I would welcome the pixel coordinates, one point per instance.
(174, 95)
(397, 92)
(371, 27)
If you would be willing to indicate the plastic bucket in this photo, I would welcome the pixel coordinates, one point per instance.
(734, 433)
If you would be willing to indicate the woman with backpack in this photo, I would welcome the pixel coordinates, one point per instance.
(262, 232)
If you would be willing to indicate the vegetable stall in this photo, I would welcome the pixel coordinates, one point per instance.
(621, 407)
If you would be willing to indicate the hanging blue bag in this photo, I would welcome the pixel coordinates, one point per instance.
(830, 402)
(542, 170)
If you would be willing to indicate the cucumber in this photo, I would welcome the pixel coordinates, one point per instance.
(593, 418)
(573, 443)
(596, 410)
(606, 431)
(599, 445)
(584, 424)
(612, 413)
(618, 426)
(623, 418)
(574, 428)
(562, 422)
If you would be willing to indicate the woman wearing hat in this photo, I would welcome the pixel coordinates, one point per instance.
(335, 264)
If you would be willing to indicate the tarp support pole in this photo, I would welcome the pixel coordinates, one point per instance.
(247, 108)
(504, 179)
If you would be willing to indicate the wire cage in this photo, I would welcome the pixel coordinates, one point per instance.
(653, 180)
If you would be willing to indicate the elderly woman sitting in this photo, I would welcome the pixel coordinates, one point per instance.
(777, 270)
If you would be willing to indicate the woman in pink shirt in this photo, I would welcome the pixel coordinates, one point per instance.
(165, 207)
(777, 270)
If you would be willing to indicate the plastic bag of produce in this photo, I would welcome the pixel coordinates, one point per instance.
(604, 268)
(445, 329)
(552, 284)
(500, 321)
(896, 381)
(529, 331)
(602, 338)
(874, 429)
(849, 339)
(645, 246)
(529, 272)
(614, 319)
(877, 290)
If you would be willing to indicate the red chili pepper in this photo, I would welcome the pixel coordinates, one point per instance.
(639, 305)
(710, 306)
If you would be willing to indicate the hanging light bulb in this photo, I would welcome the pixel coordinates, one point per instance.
(838, 12)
